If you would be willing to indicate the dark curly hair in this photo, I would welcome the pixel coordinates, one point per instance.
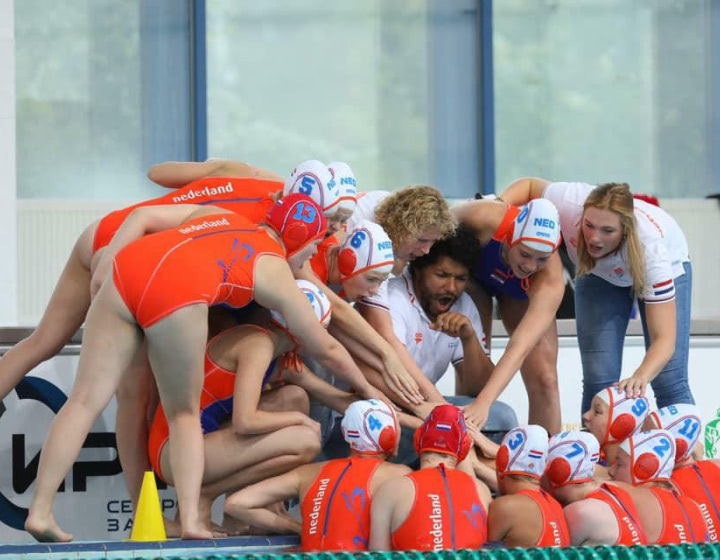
(462, 247)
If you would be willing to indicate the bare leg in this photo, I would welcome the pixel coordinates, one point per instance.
(233, 461)
(63, 316)
(176, 348)
(539, 370)
(111, 340)
(134, 396)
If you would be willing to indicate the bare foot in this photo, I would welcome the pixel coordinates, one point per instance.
(217, 531)
(235, 527)
(172, 528)
(197, 532)
(46, 530)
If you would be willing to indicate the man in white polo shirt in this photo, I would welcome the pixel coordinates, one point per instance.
(439, 325)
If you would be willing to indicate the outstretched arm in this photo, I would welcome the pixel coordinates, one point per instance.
(380, 320)
(661, 328)
(275, 288)
(321, 390)
(175, 174)
(546, 292)
(522, 191)
(354, 326)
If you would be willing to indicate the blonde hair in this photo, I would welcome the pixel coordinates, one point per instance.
(407, 213)
(617, 198)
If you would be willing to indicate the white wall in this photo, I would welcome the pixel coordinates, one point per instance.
(8, 229)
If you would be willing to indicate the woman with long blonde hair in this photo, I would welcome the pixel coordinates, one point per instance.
(624, 248)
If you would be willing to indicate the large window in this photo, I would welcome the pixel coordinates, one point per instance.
(389, 87)
(606, 90)
(102, 92)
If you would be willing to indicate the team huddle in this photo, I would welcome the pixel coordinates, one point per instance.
(267, 338)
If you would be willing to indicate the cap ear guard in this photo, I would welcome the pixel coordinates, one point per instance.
(387, 439)
(502, 459)
(465, 445)
(558, 471)
(346, 262)
(622, 426)
(645, 466)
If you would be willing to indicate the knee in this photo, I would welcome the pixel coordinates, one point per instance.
(306, 444)
(293, 397)
(543, 380)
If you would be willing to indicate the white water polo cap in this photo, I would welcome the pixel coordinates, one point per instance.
(538, 226)
(572, 457)
(367, 247)
(346, 184)
(683, 422)
(523, 451)
(370, 427)
(625, 414)
(318, 301)
(313, 178)
(652, 455)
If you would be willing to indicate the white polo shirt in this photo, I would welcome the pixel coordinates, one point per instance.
(662, 239)
(433, 351)
(365, 210)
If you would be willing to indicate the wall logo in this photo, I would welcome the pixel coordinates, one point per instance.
(24, 472)
(712, 437)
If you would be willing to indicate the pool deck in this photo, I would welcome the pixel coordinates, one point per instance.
(172, 548)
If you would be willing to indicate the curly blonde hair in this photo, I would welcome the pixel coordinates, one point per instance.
(617, 198)
(409, 212)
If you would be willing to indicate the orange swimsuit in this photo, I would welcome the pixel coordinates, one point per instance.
(336, 508)
(209, 260)
(447, 513)
(555, 530)
(216, 404)
(245, 196)
(701, 482)
(629, 528)
(682, 520)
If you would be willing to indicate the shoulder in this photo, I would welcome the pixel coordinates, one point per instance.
(394, 488)
(509, 505)
(395, 469)
(570, 192)
(398, 292)
(482, 216)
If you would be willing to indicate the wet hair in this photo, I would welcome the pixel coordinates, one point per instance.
(409, 212)
(462, 247)
(617, 198)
